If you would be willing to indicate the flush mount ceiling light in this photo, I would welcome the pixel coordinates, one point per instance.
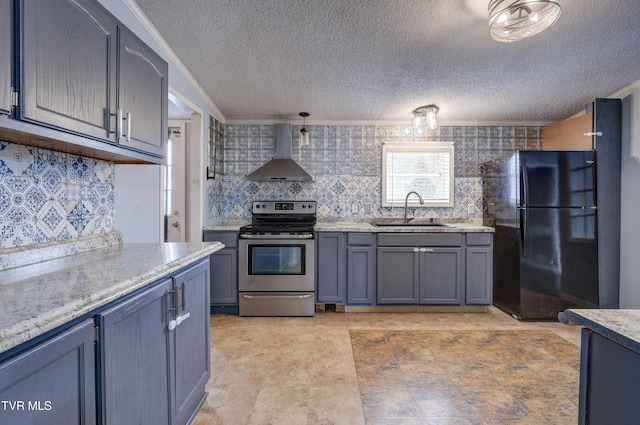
(427, 113)
(304, 132)
(511, 20)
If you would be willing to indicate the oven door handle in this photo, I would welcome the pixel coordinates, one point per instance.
(300, 236)
(283, 297)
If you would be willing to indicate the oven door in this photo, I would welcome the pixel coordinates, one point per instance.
(274, 264)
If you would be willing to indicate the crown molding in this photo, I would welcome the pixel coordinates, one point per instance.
(146, 23)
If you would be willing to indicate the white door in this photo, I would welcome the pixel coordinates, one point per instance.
(175, 186)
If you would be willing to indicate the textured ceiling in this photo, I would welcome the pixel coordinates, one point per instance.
(356, 60)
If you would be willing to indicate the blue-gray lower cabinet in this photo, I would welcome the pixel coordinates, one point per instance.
(420, 268)
(361, 275)
(136, 356)
(609, 376)
(191, 336)
(397, 281)
(441, 276)
(224, 268)
(154, 351)
(479, 269)
(331, 272)
(479, 275)
(52, 383)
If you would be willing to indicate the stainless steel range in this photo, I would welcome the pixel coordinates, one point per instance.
(277, 260)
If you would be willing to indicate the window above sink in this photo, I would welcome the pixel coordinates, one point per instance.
(423, 167)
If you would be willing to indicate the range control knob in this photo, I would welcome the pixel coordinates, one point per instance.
(304, 206)
(264, 206)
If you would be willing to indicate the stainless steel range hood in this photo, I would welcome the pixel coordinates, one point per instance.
(281, 167)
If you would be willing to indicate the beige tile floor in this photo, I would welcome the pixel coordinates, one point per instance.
(391, 369)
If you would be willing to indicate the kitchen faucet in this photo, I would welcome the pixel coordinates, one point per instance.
(406, 220)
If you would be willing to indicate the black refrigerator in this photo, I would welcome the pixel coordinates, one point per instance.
(546, 228)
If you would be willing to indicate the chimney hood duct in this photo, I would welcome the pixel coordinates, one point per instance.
(281, 167)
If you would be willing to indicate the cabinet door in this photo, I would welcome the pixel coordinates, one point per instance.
(224, 277)
(361, 275)
(191, 340)
(479, 275)
(224, 268)
(137, 348)
(143, 95)
(5, 56)
(397, 273)
(331, 268)
(441, 276)
(68, 66)
(52, 383)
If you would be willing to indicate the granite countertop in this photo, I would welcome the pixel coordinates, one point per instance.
(343, 226)
(620, 326)
(367, 227)
(42, 295)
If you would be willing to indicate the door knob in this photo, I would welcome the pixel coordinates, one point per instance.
(175, 224)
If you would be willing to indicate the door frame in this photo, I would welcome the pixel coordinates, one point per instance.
(194, 167)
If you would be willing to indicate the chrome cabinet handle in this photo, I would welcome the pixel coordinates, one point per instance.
(119, 123)
(182, 318)
(128, 126)
(184, 295)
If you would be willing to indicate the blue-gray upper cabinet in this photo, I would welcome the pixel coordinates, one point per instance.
(137, 351)
(83, 72)
(361, 268)
(224, 268)
(479, 272)
(331, 271)
(54, 381)
(5, 56)
(143, 95)
(68, 66)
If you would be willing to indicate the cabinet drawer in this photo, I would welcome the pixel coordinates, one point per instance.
(360, 238)
(419, 239)
(478, 238)
(229, 239)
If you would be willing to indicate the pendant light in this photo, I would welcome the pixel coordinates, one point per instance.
(426, 113)
(513, 20)
(304, 132)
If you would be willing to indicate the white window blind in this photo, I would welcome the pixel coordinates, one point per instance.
(426, 168)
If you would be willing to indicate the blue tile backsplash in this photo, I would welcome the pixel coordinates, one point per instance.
(48, 196)
(345, 162)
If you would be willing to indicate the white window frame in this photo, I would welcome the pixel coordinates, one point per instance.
(417, 148)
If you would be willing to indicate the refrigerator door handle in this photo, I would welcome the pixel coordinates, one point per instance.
(525, 183)
(523, 229)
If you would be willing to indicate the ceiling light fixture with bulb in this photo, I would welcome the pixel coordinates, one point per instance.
(427, 114)
(304, 132)
(513, 20)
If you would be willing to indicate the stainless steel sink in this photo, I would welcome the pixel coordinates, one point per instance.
(398, 222)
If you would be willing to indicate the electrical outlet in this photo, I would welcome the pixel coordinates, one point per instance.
(471, 208)
(491, 208)
(354, 208)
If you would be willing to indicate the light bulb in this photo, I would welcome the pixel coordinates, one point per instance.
(417, 120)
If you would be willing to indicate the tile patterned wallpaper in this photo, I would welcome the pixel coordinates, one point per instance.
(47, 196)
(345, 162)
